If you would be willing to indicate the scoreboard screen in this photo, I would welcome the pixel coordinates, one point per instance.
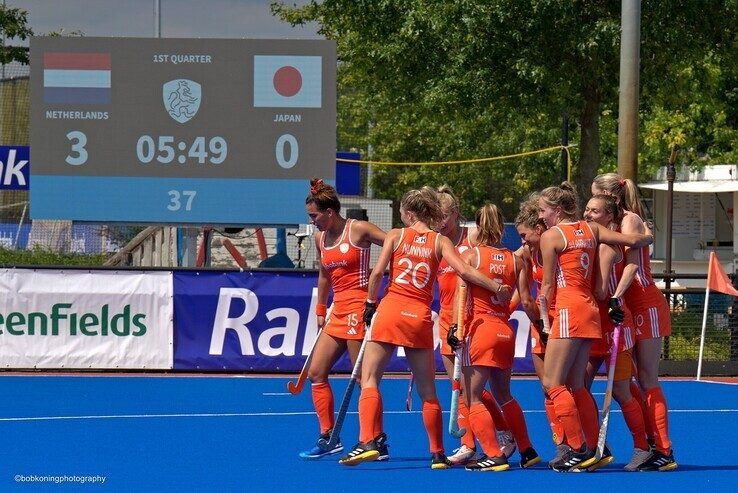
(192, 131)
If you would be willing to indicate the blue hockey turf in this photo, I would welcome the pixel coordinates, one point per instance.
(214, 433)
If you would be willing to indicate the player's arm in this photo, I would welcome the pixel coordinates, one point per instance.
(551, 240)
(385, 255)
(369, 234)
(524, 278)
(324, 283)
(470, 274)
(629, 272)
(605, 258)
(634, 240)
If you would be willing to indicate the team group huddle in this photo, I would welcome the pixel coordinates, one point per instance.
(595, 295)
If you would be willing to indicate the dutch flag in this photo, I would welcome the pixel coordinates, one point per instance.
(287, 81)
(76, 78)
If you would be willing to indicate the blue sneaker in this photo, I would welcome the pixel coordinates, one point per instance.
(318, 453)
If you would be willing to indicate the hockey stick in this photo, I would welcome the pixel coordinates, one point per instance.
(453, 424)
(608, 393)
(409, 398)
(296, 388)
(330, 444)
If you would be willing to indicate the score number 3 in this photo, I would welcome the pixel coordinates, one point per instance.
(79, 140)
(175, 202)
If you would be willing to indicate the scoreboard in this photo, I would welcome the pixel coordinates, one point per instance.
(180, 131)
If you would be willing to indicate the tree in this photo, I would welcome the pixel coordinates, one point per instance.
(472, 78)
(14, 24)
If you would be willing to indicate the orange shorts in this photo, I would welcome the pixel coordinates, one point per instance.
(345, 320)
(601, 346)
(576, 317)
(444, 321)
(623, 366)
(403, 323)
(652, 321)
(489, 342)
(651, 315)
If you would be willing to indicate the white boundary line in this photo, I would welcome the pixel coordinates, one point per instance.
(716, 383)
(267, 414)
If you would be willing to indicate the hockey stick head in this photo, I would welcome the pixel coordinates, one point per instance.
(293, 388)
(327, 444)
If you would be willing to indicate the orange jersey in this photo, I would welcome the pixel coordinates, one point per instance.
(447, 279)
(497, 264)
(490, 340)
(347, 266)
(576, 310)
(649, 306)
(348, 270)
(602, 346)
(446, 289)
(403, 316)
(414, 266)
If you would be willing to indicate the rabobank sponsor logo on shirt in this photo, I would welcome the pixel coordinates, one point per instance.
(421, 240)
(286, 81)
(578, 232)
(498, 257)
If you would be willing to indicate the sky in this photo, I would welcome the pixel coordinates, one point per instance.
(179, 18)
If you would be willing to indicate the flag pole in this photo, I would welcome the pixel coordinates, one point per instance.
(704, 315)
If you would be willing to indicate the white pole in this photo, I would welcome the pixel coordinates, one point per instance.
(704, 318)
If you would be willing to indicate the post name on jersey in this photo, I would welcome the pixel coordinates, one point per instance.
(423, 252)
(498, 269)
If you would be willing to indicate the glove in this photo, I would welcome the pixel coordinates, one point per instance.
(614, 311)
(451, 338)
(369, 309)
(539, 325)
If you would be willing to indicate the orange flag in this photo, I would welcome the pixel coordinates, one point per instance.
(717, 279)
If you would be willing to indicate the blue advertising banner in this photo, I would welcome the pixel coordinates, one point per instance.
(14, 167)
(265, 321)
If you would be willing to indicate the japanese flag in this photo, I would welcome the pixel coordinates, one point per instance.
(287, 81)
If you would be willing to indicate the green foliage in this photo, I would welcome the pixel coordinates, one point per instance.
(14, 24)
(40, 256)
(437, 81)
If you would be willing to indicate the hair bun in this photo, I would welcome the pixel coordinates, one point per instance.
(316, 185)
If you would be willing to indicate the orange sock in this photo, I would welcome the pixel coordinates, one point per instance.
(557, 431)
(370, 404)
(658, 415)
(484, 429)
(379, 418)
(634, 419)
(588, 415)
(494, 410)
(433, 422)
(468, 438)
(567, 413)
(514, 416)
(635, 391)
(323, 402)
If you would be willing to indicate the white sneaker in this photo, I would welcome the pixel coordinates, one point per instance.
(462, 455)
(639, 457)
(507, 443)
